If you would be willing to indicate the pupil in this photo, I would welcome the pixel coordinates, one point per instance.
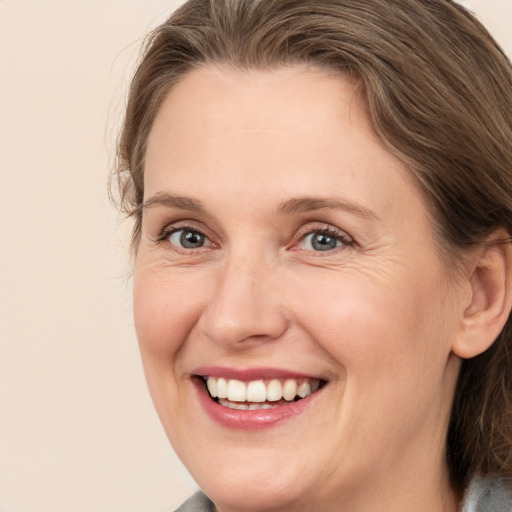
(324, 242)
(191, 239)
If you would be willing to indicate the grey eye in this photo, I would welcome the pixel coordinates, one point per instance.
(318, 241)
(187, 239)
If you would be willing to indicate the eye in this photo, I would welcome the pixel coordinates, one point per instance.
(187, 239)
(323, 240)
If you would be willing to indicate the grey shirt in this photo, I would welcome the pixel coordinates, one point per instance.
(197, 503)
(491, 495)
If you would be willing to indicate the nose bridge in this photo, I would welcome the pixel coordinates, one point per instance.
(245, 304)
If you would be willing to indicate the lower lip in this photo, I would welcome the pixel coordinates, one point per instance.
(258, 419)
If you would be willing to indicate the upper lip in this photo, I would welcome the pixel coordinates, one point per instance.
(248, 374)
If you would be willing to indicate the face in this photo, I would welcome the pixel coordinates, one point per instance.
(294, 317)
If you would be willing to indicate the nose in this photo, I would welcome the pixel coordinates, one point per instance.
(247, 304)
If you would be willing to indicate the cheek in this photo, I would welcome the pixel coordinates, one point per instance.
(392, 350)
(165, 312)
(398, 332)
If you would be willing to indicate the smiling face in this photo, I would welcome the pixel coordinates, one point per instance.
(284, 251)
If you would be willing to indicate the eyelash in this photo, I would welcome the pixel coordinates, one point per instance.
(345, 239)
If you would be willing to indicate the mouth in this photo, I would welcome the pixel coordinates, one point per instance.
(260, 394)
(255, 399)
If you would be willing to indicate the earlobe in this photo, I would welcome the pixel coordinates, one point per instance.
(490, 282)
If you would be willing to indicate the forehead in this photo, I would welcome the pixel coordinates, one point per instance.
(285, 131)
(214, 86)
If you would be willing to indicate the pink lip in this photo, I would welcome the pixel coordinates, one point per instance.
(250, 374)
(255, 420)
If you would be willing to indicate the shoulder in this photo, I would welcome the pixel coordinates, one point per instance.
(197, 503)
(488, 495)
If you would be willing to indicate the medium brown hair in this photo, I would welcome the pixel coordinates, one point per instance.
(439, 94)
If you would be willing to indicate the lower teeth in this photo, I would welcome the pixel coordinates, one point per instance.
(252, 406)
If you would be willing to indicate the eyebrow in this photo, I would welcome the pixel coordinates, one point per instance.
(307, 204)
(288, 207)
(170, 201)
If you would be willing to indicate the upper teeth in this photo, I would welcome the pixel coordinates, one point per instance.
(260, 390)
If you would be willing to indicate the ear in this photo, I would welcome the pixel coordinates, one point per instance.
(490, 300)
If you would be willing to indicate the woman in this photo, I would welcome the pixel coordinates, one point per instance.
(322, 196)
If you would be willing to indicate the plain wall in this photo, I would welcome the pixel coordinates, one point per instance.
(78, 432)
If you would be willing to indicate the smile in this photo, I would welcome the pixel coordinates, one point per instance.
(255, 399)
(259, 394)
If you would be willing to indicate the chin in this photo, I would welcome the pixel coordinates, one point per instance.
(251, 492)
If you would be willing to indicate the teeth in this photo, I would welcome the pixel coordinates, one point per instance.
(240, 406)
(257, 394)
(304, 390)
(245, 407)
(211, 384)
(274, 391)
(222, 388)
(289, 389)
(256, 391)
(237, 391)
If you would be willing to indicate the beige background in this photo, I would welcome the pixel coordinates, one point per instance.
(77, 430)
